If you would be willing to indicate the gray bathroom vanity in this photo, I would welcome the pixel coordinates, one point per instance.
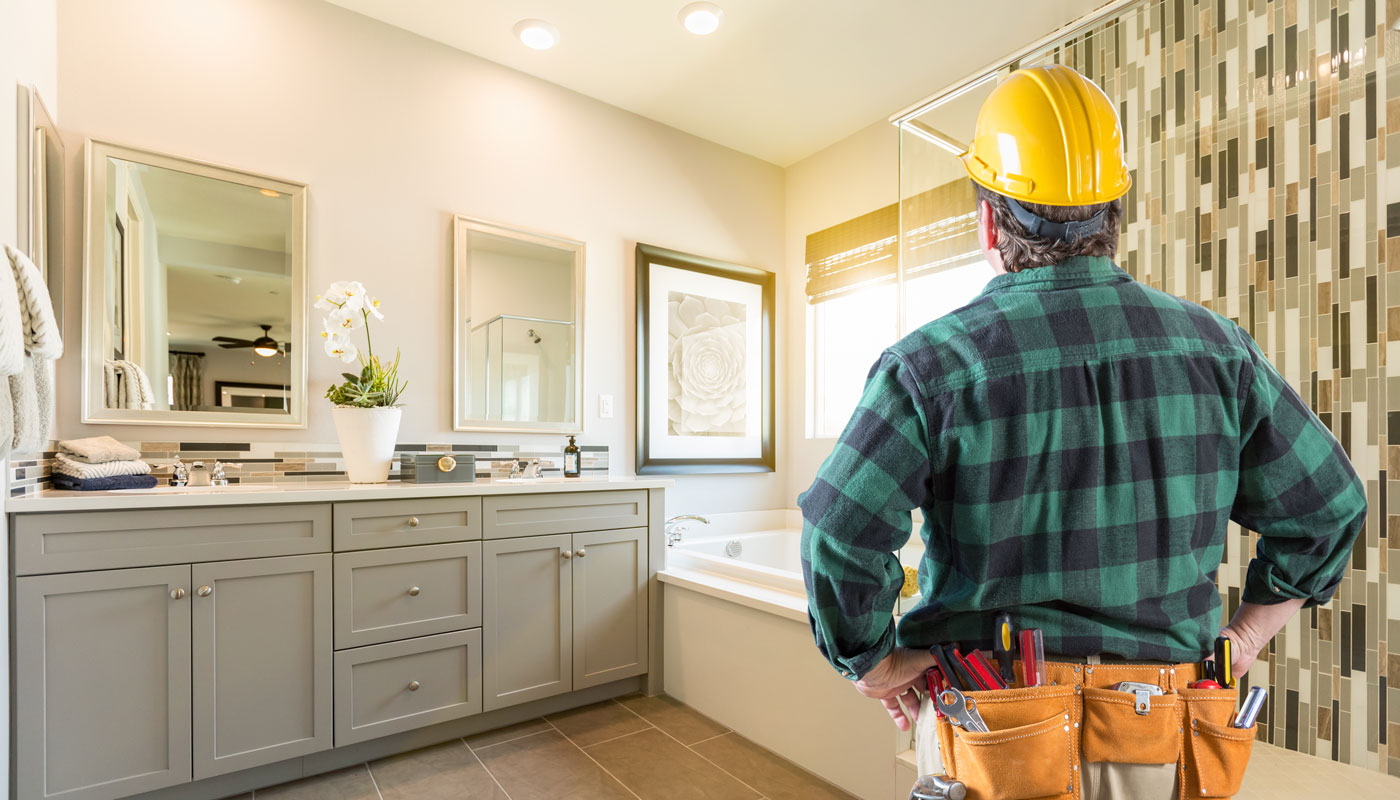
(195, 645)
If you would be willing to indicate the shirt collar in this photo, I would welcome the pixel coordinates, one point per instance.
(1068, 274)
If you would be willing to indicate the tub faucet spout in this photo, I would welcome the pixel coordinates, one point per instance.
(676, 527)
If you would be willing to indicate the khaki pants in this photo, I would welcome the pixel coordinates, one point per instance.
(1105, 781)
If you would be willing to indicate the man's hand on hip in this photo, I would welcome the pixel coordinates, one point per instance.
(895, 678)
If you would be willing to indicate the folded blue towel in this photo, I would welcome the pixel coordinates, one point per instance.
(104, 484)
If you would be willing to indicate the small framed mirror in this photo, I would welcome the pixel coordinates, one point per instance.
(518, 343)
(194, 293)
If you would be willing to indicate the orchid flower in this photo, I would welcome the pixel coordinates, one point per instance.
(342, 348)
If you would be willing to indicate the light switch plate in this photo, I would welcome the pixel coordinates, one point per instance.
(605, 406)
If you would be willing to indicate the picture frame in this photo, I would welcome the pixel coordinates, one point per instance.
(705, 360)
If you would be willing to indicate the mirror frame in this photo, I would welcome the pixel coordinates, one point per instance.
(95, 290)
(461, 227)
(36, 133)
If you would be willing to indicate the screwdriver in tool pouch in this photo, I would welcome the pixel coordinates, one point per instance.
(1003, 646)
(1224, 667)
(1033, 656)
(945, 668)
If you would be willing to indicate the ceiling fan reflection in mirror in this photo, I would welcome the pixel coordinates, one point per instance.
(264, 345)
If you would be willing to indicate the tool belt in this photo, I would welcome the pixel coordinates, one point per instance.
(1039, 736)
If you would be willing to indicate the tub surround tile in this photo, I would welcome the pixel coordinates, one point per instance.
(686, 724)
(548, 765)
(445, 772)
(657, 767)
(773, 776)
(597, 723)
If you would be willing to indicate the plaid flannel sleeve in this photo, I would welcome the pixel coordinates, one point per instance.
(856, 515)
(1297, 489)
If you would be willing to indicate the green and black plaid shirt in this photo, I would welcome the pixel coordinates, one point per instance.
(1076, 442)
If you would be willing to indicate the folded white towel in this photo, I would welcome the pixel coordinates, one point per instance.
(42, 338)
(126, 385)
(11, 326)
(66, 466)
(98, 450)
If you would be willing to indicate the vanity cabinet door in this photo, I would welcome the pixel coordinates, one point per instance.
(610, 606)
(102, 671)
(527, 627)
(262, 661)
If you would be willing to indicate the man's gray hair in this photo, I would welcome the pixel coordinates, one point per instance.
(1020, 250)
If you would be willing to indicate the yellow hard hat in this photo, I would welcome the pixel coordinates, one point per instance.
(1049, 135)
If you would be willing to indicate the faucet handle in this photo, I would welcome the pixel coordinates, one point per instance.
(181, 474)
(216, 476)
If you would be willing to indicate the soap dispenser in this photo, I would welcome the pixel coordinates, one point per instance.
(571, 459)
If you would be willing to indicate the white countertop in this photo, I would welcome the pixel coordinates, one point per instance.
(320, 492)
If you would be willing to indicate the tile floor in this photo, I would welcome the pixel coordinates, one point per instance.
(646, 748)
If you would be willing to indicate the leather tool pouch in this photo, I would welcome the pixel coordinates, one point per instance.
(1214, 754)
(1030, 751)
(1039, 736)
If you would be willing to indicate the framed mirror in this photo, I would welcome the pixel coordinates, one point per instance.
(518, 340)
(40, 182)
(194, 293)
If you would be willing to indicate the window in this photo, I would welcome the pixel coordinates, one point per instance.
(855, 284)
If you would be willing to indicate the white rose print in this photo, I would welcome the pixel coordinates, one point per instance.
(707, 392)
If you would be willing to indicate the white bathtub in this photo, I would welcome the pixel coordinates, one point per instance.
(738, 648)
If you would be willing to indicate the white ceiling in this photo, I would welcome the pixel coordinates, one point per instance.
(780, 79)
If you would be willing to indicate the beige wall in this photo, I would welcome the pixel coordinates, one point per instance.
(853, 176)
(394, 134)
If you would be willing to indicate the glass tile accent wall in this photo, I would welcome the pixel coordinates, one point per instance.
(1259, 132)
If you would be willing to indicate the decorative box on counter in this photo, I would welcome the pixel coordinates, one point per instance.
(438, 468)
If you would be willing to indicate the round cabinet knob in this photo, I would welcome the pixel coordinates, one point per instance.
(581, 552)
(412, 522)
(177, 594)
(414, 592)
(568, 554)
(204, 591)
(413, 686)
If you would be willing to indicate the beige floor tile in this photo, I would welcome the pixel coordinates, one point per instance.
(445, 772)
(548, 766)
(507, 733)
(674, 717)
(775, 777)
(657, 767)
(351, 783)
(597, 723)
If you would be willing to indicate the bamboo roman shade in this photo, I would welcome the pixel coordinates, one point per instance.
(855, 254)
(940, 232)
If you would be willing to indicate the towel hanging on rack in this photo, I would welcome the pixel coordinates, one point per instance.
(26, 312)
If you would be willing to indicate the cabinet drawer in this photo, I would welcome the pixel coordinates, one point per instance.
(87, 540)
(383, 595)
(394, 523)
(399, 686)
(506, 516)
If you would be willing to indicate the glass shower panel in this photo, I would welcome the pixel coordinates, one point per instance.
(529, 367)
(941, 266)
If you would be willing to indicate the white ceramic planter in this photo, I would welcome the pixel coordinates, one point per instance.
(367, 437)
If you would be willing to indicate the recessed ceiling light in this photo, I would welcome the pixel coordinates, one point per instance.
(537, 34)
(701, 18)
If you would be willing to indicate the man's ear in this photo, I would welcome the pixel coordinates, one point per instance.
(986, 228)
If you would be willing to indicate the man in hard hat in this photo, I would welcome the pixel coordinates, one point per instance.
(1076, 443)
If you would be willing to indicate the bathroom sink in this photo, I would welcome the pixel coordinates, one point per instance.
(233, 487)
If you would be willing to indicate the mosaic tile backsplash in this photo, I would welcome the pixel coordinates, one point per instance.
(302, 462)
(1264, 137)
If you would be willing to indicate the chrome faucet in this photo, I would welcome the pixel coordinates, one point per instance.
(181, 474)
(200, 475)
(525, 468)
(676, 527)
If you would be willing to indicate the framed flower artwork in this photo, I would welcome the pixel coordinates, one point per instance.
(704, 365)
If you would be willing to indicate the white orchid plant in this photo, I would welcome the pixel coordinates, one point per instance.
(349, 308)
